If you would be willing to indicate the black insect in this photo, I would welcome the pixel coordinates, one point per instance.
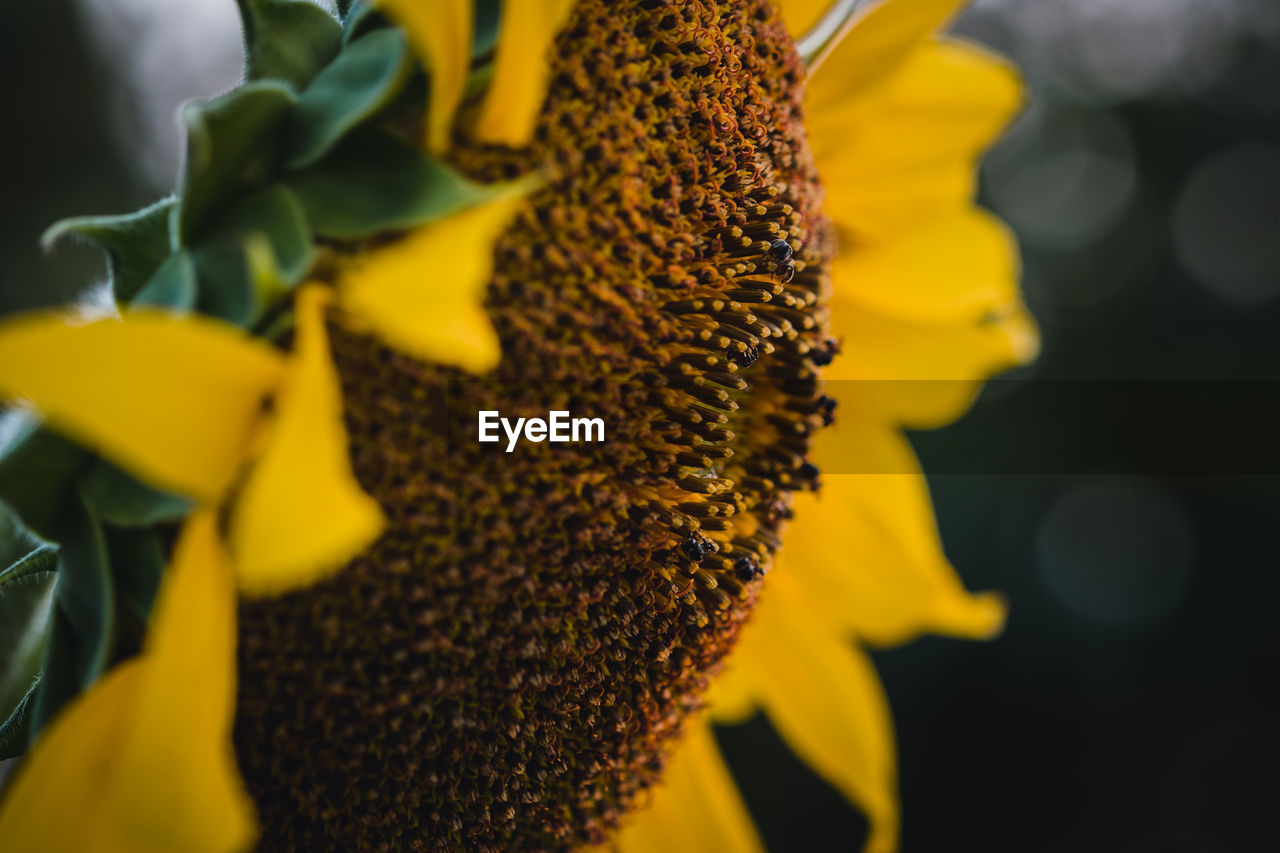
(746, 358)
(696, 546)
(779, 251)
(827, 408)
(747, 569)
(824, 355)
(779, 254)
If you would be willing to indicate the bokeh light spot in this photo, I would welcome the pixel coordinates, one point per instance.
(1115, 551)
(1225, 224)
(1063, 177)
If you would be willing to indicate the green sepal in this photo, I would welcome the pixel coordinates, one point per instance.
(39, 560)
(15, 731)
(265, 278)
(173, 285)
(361, 18)
(80, 642)
(374, 182)
(365, 76)
(288, 40)
(26, 596)
(233, 148)
(226, 287)
(123, 500)
(37, 471)
(16, 541)
(256, 250)
(135, 243)
(276, 215)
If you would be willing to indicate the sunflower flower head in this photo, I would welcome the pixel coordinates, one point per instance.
(423, 210)
(583, 593)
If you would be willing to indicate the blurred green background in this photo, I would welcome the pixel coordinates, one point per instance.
(1131, 704)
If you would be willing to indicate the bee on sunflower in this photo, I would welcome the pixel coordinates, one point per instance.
(274, 596)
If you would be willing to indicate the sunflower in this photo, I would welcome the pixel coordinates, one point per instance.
(287, 599)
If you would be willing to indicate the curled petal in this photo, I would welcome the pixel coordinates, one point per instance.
(825, 699)
(876, 45)
(957, 268)
(422, 295)
(918, 374)
(302, 514)
(696, 807)
(927, 316)
(519, 86)
(730, 699)
(142, 762)
(801, 15)
(906, 149)
(440, 32)
(867, 548)
(173, 399)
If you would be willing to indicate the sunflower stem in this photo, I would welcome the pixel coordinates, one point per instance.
(815, 45)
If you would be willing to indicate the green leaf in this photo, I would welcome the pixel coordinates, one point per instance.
(487, 23)
(233, 147)
(80, 642)
(121, 499)
(173, 285)
(26, 599)
(37, 470)
(135, 243)
(374, 182)
(137, 565)
(364, 77)
(59, 681)
(288, 40)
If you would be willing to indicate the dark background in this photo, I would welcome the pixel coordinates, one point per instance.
(1130, 705)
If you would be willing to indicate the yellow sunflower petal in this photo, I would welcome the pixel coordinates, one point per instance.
(440, 32)
(520, 72)
(142, 762)
(801, 15)
(422, 294)
(302, 514)
(868, 547)
(923, 374)
(730, 699)
(906, 149)
(876, 45)
(696, 808)
(172, 399)
(824, 697)
(956, 268)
